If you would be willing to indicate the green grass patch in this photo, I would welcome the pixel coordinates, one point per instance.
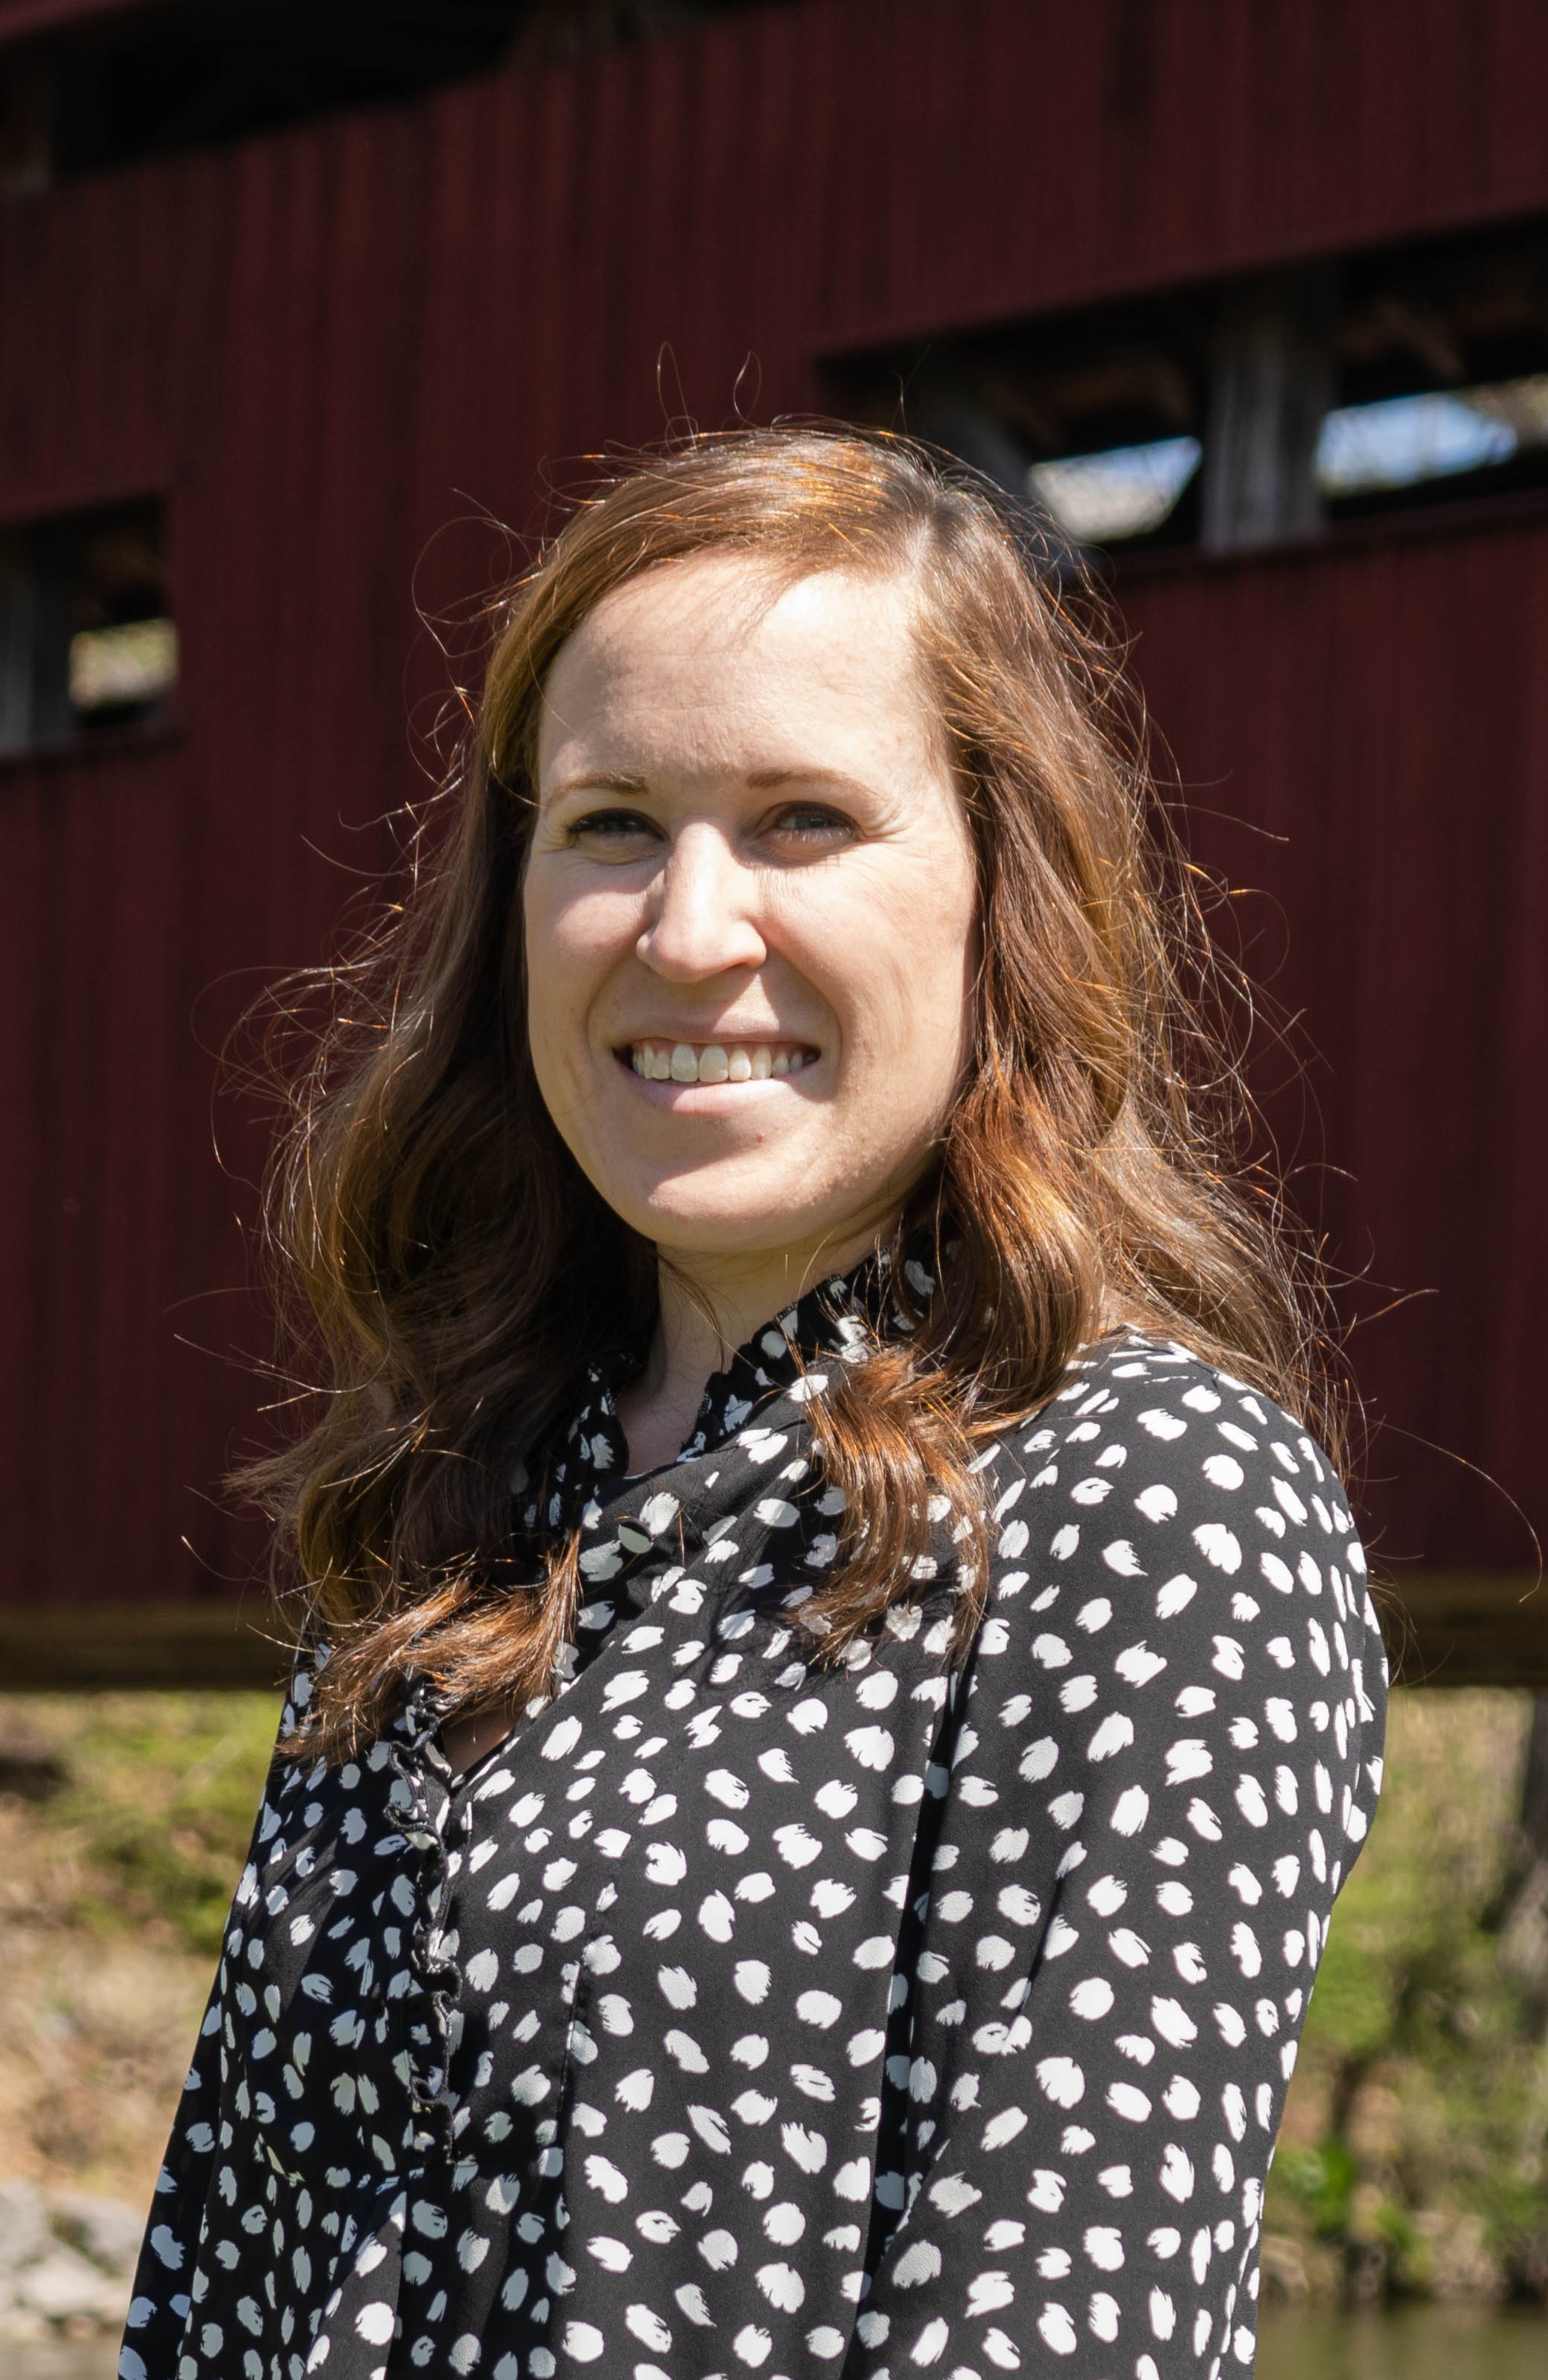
(158, 1802)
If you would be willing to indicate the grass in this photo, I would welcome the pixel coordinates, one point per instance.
(158, 1805)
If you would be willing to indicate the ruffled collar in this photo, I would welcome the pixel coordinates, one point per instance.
(770, 1380)
(747, 1461)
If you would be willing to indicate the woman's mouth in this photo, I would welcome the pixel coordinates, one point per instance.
(717, 1062)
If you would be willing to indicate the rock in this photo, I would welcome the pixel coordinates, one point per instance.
(1365, 2272)
(65, 2263)
(64, 2287)
(1374, 2130)
(29, 1768)
(1283, 2266)
(1459, 2264)
(24, 2231)
(1529, 2264)
(19, 2328)
(106, 2230)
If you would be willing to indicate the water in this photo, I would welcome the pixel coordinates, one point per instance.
(1416, 2343)
(1419, 2343)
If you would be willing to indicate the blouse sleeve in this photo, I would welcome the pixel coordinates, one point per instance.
(1170, 1753)
(169, 2254)
(159, 2307)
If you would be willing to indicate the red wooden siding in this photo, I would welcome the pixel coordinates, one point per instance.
(1363, 745)
(323, 346)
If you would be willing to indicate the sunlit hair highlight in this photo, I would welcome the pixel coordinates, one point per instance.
(450, 1272)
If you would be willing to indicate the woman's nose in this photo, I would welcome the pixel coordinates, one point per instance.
(702, 911)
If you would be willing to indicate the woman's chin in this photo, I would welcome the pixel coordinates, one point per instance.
(687, 1220)
(686, 1233)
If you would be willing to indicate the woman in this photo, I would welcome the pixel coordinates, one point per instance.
(839, 1689)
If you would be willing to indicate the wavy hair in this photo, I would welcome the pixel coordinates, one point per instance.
(448, 1272)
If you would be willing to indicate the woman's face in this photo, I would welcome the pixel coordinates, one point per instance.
(749, 910)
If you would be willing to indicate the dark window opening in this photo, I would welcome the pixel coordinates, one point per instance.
(1240, 413)
(87, 637)
(1097, 416)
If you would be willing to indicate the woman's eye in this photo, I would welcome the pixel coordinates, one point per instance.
(614, 829)
(811, 822)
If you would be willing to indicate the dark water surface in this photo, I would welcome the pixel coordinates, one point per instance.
(1421, 2343)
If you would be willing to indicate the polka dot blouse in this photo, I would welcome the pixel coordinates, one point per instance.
(737, 2017)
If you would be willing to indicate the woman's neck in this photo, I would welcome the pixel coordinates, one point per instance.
(708, 1308)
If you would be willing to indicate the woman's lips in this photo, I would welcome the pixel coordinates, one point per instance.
(716, 1061)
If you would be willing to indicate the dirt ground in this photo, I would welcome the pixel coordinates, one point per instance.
(123, 1822)
(94, 2033)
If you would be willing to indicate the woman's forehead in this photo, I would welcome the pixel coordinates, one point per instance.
(716, 652)
(734, 601)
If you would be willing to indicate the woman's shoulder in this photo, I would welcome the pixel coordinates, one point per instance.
(1149, 1450)
(1159, 1519)
(1138, 1395)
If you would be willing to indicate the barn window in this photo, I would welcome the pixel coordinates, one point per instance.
(87, 637)
(1399, 442)
(1122, 492)
(1246, 412)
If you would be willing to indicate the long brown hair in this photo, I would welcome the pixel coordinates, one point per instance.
(451, 1272)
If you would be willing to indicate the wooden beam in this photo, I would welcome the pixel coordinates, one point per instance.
(1441, 1630)
(24, 20)
(1271, 382)
(67, 1649)
(1450, 1629)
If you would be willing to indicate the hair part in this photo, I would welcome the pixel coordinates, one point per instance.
(450, 1272)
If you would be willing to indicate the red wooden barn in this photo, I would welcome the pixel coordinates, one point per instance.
(1253, 300)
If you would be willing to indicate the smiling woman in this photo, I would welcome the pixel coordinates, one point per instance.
(838, 1687)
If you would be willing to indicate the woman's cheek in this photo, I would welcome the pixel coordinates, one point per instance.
(569, 949)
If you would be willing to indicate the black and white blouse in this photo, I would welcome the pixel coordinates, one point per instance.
(738, 2017)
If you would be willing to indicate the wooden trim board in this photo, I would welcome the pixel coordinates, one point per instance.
(1443, 1629)
(1452, 1629)
(68, 1649)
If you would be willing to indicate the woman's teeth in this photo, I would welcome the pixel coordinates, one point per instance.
(715, 1061)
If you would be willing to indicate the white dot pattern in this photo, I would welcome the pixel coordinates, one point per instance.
(737, 2016)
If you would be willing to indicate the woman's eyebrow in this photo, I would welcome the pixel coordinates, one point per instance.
(598, 781)
(764, 781)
